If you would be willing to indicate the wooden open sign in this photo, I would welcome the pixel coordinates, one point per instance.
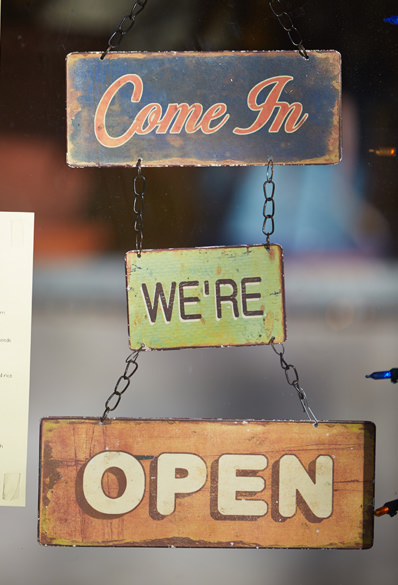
(206, 483)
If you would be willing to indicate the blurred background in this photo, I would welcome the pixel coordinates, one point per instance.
(336, 224)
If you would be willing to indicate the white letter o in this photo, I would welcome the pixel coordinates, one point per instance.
(92, 482)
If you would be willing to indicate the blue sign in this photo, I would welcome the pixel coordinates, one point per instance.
(203, 109)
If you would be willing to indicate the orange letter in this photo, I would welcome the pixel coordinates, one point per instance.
(151, 114)
(99, 119)
(214, 112)
(288, 113)
(181, 115)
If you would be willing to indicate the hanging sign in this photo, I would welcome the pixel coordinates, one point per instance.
(205, 297)
(206, 483)
(194, 109)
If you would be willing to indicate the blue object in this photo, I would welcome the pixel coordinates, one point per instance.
(392, 19)
(379, 375)
(389, 374)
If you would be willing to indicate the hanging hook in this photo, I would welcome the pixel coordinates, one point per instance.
(269, 203)
(293, 380)
(286, 23)
(139, 185)
(125, 26)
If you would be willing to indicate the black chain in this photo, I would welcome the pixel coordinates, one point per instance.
(113, 401)
(287, 24)
(128, 21)
(292, 379)
(125, 26)
(139, 184)
(269, 204)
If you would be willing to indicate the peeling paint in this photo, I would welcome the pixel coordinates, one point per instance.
(68, 444)
(230, 295)
(317, 141)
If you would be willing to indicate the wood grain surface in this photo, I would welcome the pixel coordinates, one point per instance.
(206, 483)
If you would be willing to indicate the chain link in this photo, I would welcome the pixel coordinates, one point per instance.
(292, 379)
(128, 21)
(122, 384)
(286, 23)
(125, 26)
(269, 203)
(139, 185)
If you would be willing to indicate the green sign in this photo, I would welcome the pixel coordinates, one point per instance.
(205, 297)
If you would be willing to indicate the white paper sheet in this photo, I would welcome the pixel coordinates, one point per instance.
(16, 267)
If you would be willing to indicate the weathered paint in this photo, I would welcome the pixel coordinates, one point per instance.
(241, 108)
(205, 297)
(206, 483)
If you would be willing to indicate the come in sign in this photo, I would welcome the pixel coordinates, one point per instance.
(202, 109)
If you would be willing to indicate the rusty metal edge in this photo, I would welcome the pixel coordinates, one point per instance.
(282, 283)
(328, 159)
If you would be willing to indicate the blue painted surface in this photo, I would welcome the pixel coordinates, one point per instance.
(392, 19)
(208, 79)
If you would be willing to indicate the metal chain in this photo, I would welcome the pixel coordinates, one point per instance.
(125, 26)
(128, 21)
(269, 204)
(292, 379)
(287, 24)
(122, 384)
(139, 184)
